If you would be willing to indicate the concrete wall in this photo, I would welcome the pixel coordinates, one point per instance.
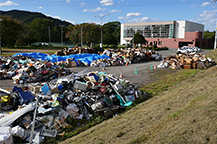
(193, 27)
(122, 35)
(180, 29)
(193, 35)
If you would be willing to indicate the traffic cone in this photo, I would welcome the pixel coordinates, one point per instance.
(136, 71)
(151, 67)
(126, 63)
(103, 68)
(155, 67)
(121, 75)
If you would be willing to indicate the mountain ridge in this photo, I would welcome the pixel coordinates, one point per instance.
(27, 17)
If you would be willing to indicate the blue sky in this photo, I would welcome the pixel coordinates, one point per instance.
(125, 11)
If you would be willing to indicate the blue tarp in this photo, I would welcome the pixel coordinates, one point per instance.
(85, 58)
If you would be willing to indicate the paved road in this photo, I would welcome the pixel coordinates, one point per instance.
(143, 76)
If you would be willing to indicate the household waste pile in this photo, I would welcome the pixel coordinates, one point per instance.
(186, 61)
(75, 50)
(72, 60)
(61, 104)
(126, 56)
(23, 69)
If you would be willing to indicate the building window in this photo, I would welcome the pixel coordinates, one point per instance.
(150, 31)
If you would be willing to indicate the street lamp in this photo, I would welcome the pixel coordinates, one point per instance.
(61, 34)
(215, 42)
(0, 39)
(101, 17)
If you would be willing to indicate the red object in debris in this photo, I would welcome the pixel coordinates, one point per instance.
(44, 72)
(102, 84)
(48, 65)
(102, 90)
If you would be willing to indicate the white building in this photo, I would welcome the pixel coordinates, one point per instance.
(164, 33)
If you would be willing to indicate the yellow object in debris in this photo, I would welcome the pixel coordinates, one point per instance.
(5, 99)
(55, 104)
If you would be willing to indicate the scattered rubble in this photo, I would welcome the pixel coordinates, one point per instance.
(38, 111)
(186, 61)
(32, 67)
(75, 50)
(26, 70)
(126, 56)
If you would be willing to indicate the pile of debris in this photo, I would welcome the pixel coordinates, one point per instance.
(40, 111)
(126, 56)
(23, 69)
(75, 50)
(186, 61)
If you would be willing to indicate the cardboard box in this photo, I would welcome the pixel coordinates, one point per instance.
(187, 66)
(188, 61)
(182, 60)
(194, 65)
(34, 89)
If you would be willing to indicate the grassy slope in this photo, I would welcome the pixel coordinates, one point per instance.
(185, 113)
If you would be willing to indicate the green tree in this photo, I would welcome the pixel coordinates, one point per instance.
(209, 35)
(90, 33)
(74, 34)
(24, 38)
(139, 39)
(39, 29)
(113, 28)
(11, 31)
(108, 38)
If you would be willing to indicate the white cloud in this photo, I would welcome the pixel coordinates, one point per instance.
(57, 17)
(8, 3)
(214, 7)
(106, 2)
(205, 3)
(82, 4)
(68, 1)
(144, 19)
(115, 11)
(123, 18)
(133, 14)
(120, 18)
(208, 18)
(40, 7)
(73, 22)
(94, 10)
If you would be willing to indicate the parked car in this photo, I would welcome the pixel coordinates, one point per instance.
(43, 44)
(187, 49)
(196, 49)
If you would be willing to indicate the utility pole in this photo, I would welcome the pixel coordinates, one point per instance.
(49, 34)
(101, 26)
(0, 38)
(215, 37)
(61, 34)
(81, 37)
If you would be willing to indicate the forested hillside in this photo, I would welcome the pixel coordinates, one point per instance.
(27, 17)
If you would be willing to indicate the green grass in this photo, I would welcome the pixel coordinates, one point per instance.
(167, 79)
(212, 54)
(35, 47)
